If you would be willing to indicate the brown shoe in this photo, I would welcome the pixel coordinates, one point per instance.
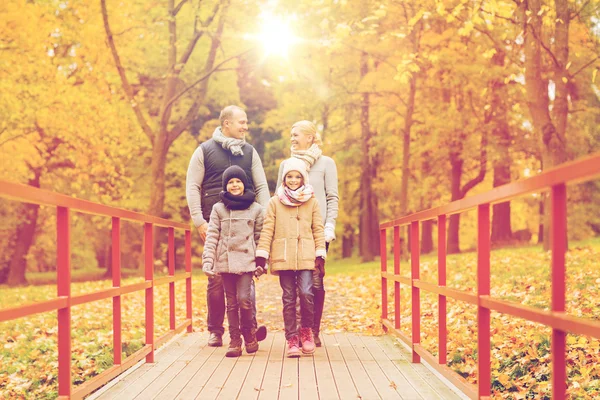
(317, 339)
(235, 348)
(215, 340)
(250, 341)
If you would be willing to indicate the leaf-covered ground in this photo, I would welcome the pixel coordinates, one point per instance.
(520, 350)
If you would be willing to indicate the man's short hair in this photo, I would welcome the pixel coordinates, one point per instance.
(227, 113)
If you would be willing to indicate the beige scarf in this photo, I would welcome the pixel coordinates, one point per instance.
(310, 156)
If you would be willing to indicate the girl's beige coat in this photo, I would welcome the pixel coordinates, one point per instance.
(292, 237)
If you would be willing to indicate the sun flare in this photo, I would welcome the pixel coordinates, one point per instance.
(276, 35)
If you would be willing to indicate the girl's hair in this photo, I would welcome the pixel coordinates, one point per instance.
(308, 128)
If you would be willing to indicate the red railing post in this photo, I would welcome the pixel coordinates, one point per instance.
(483, 289)
(149, 258)
(171, 262)
(383, 252)
(442, 329)
(63, 279)
(116, 278)
(188, 280)
(415, 249)
(558, 241)
(397, 273)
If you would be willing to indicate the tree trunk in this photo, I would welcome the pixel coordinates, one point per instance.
(427, 237)
(454, 221)
(157, 171)
(347, 241)
(498, 117)
(536, 87)
(25, 234)
(369, 222)
(541, 217)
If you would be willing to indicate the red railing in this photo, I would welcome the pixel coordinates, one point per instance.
(555, 181)
(64, 300)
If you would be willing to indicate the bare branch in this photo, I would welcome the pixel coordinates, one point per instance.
(576, 14)
(585, 66)
(128, 30)
(124, 81)
(209, 66)
(539, 39)
(205, 76)
(482, 167)
(9, 139)
(178, 7)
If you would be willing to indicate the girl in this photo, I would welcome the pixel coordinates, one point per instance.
(233, 230)
(292, 237)
(306, 145)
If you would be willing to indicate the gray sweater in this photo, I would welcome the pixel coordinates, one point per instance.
(232, 238)
(195, 177)
(324, 180)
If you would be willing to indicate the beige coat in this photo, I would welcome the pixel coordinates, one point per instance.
(292, 237)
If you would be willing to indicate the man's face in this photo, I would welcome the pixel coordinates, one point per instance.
(300, 141)
(237, 126)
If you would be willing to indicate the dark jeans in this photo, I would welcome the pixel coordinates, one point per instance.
(215, 301)
(302, 281)
(318, 286)
(238, 291)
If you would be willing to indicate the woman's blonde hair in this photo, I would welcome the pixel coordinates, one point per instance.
(308, 128)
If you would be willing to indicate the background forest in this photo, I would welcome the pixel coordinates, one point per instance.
(419, 103)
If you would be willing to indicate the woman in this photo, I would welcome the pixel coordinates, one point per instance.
(322, 174)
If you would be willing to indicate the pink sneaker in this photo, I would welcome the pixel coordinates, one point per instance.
(292, 347)
(308, 341)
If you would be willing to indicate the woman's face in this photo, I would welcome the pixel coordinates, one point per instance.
(235, 187)
(300, 141)
(293, 180)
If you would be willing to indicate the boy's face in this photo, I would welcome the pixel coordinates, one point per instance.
(293, 180)
(235, 187)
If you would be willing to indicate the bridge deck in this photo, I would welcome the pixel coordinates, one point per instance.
(349, 366)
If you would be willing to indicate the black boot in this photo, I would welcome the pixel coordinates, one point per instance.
(319, 302)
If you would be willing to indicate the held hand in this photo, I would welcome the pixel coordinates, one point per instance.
(259, 271)
(206, 268)
(320, 266)
(202, 229)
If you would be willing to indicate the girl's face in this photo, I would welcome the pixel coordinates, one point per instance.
(300, 141)
(294, 180)
(235, 187)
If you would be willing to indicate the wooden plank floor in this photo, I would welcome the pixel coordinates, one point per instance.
(348, 366)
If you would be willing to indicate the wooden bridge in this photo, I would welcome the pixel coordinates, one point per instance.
(348, 366)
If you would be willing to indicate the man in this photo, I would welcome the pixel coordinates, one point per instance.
(203, 185)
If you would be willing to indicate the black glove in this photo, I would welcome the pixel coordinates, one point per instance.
(320, 266)
(261, 262)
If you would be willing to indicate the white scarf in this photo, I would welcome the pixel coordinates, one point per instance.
(310, 156)
(231, 144)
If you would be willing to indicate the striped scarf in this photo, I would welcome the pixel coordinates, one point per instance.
(231, 144)
(310, 156)
(294, 198)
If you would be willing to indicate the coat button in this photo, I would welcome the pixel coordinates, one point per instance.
(298, 217)
(249, 222)
(245, 251)
(247, 237)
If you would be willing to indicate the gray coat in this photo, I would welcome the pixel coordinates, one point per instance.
(231, 239)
